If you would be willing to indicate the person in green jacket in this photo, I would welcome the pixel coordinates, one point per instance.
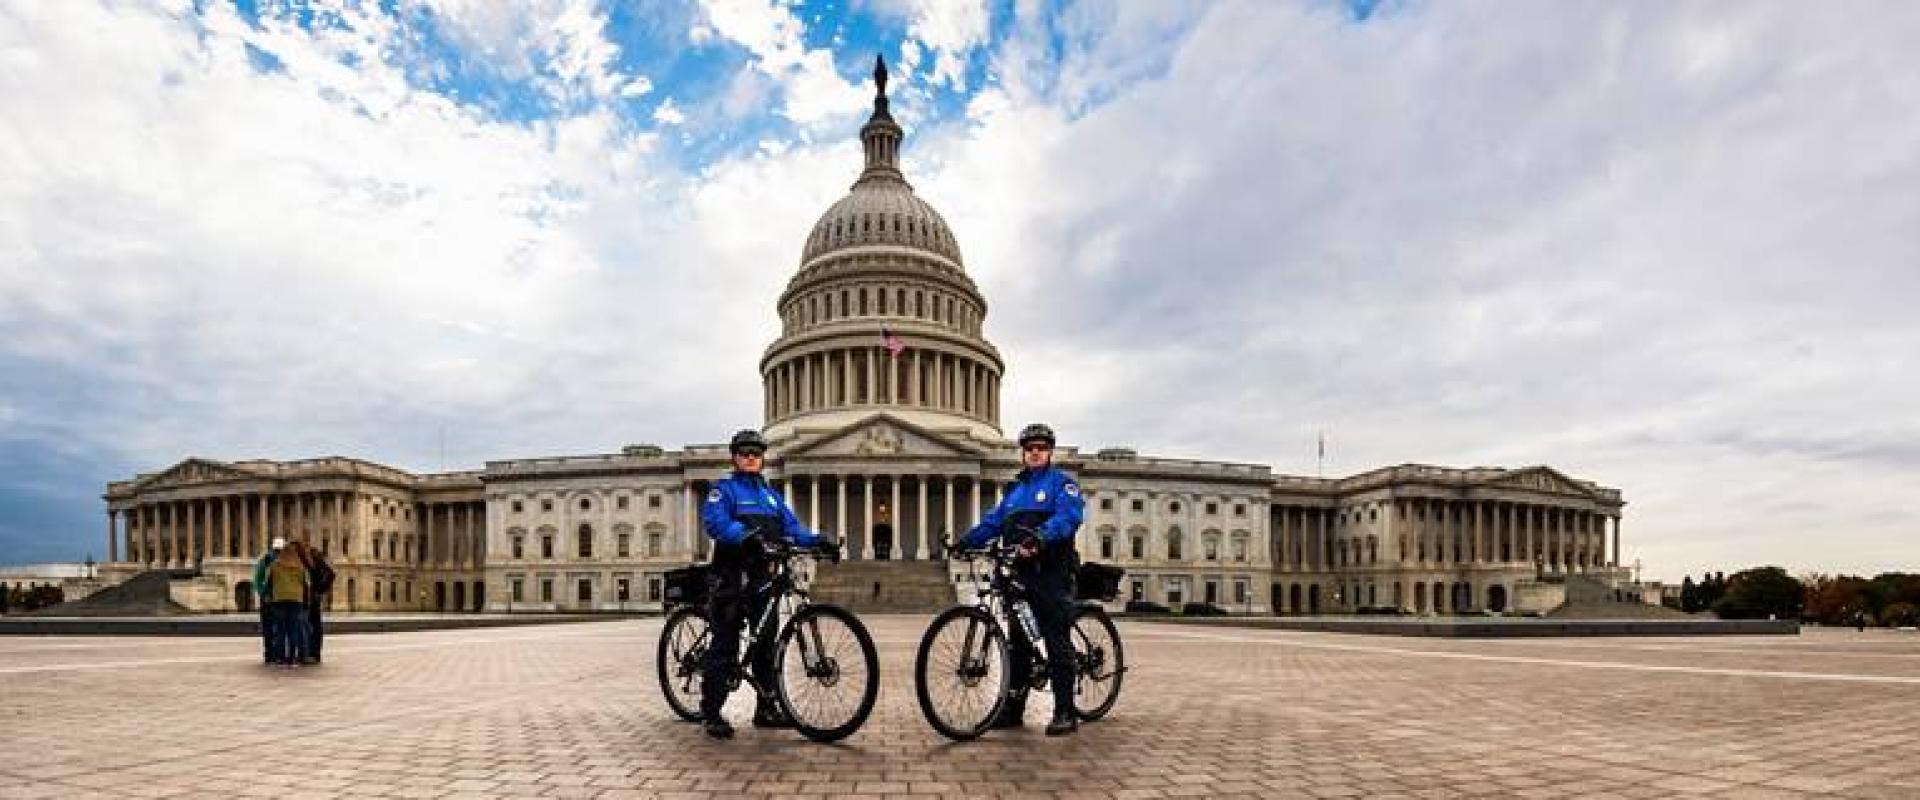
(267, 638)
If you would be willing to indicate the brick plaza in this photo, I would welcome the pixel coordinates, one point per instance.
(574, 711)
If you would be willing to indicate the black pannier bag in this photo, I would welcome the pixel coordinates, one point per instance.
(687, 585)
(1095, 581)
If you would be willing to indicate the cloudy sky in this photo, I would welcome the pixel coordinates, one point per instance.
(1671, 247)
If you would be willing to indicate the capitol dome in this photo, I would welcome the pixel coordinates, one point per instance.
(881, 318)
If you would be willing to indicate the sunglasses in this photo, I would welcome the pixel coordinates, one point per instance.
(750, 453)
(1036, 448)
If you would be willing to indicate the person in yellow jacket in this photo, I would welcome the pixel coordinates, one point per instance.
(286, 596)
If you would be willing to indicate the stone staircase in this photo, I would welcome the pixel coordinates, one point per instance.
(144, 595)
(1588, 598)
(884, 587)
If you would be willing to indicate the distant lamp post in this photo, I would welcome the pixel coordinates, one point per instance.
(89, 566)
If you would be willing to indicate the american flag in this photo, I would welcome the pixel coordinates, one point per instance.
(891, 341)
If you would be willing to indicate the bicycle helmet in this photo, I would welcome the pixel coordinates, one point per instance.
(747, 439)
(1037, 432)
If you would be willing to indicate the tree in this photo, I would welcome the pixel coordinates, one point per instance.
(1900, 615)
(1760, 593)
(1689, 594)
(1833, 599)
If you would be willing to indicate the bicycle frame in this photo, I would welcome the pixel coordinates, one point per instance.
(782, 593)
(997, 599)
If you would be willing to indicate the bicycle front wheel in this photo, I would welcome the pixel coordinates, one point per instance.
(961, 672)
(827, 672)
(1099, 663)
(682, 658)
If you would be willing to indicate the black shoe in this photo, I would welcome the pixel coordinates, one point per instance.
(1064, 722)
(718, 728)
(1010, 716)
(770, 715)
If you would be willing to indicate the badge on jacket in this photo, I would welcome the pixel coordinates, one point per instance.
(714, 496)
(1040, 496)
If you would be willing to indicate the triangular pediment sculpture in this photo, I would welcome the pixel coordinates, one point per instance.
(194, 471)
(1541, 479)
(882, 435)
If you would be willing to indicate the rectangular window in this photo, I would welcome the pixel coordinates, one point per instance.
(1213, 508)
(1106, 547)
(1139, 589)
(653, 590)
(1239, 509)
(621, 502)
(1139, 547)
(517, 508)
(1139, 505)
(586, 543)
(1213, 592)
(1176, 592)
(376, 591)
(1239, 592)
(623, 588)
(519, 547)
(546, 590)
(653, 544)
(519, 590)
(546, 546)
(653, 501)
(1106, 504)
(546, 505)
(1240, 550)
(585, 591)
(626, 542)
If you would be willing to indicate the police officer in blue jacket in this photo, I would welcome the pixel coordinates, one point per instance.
(743, 514)
(1040, 513)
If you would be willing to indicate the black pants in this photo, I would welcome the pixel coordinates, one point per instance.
(736, 597)
(314, 630)
(1049, 586)
(268, 634)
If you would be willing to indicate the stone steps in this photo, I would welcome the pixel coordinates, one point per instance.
(891, 587)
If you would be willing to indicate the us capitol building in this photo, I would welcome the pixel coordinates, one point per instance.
(887, 448)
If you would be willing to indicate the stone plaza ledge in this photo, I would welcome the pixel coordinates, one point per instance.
(1494, 627)
(249, 624)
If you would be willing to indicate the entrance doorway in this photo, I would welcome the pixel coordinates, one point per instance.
(480, 595)
(459, 596)
(439, 596)
(883, 541)
(1497, 598)
(243, 596)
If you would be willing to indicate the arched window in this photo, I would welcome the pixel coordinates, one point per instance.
(1210, 546)
(1174, 551)
(863, 302)
(585, 550)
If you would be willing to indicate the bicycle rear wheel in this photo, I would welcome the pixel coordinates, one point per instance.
(1100, 663)
(827, 672)
(681, 660)
(960, 673)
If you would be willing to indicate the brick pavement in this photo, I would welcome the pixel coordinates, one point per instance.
(573, 711)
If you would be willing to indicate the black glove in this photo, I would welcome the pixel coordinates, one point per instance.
(830, 549)
(1027, 547)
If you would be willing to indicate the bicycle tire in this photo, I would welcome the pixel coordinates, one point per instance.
(809, 620)
(993, 646)
(680, 670)
(1107, 662)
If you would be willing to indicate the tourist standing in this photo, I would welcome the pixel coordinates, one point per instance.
(320, 587)
(267, 634)
(287, 584)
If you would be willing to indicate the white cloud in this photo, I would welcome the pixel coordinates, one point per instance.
(667, 114)
(1667, 247)
(560, 45)
(815, 93)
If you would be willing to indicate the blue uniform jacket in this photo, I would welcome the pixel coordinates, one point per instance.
(1046, 491)
(746, 495)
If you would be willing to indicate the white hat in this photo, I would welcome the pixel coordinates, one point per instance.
(279, 542)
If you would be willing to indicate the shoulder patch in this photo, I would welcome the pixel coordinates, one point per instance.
(1072, 489)
(714, 496)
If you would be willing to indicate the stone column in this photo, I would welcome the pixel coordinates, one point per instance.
(925, 549)
(197, 530)
(840, 519)
(895, 515)
(866, 482)
(813, 502)
(974, 493)
(948, 493)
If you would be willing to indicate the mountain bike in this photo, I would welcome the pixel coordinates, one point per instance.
(826, 674)
(960, 673)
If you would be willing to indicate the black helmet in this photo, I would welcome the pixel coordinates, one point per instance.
(748, 438)
(1036, 432)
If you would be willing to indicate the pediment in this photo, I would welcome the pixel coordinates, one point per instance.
(881, 436)
(194, 471)
(1541, 479)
